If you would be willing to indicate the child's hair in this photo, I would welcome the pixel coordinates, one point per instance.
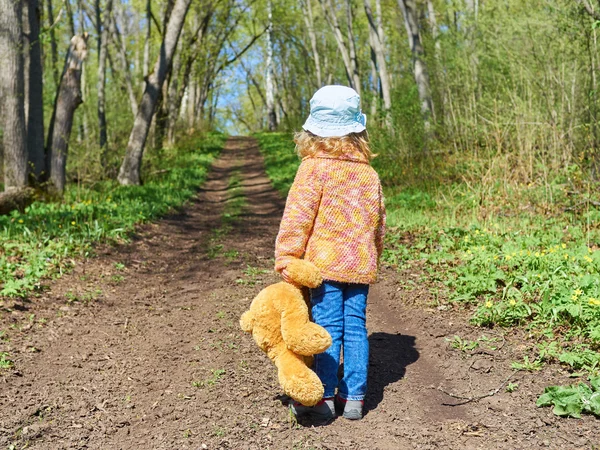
(308, 144)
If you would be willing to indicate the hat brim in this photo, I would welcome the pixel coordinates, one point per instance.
(326, 129)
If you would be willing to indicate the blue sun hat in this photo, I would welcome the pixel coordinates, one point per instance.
(335, 112)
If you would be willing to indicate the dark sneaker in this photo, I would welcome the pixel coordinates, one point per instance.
(322, 411)
(349, 409)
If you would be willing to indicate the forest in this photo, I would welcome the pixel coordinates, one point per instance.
(130, 135)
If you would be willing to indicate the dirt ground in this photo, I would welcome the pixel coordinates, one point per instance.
(140, 348)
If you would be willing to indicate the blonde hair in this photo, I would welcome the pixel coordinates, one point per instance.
(308, 144)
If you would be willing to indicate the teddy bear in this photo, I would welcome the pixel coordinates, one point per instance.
(279, 321)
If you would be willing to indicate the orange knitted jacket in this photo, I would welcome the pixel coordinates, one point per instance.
(335, 218)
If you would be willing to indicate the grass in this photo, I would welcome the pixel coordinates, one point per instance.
(232, 210)
(512, 253)
(42, 241)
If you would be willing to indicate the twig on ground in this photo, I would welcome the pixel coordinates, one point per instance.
(476, 397)
(586, 201)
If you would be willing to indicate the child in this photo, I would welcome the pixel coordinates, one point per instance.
(335, 218)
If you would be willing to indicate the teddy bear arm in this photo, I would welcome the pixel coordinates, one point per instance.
(247, 321)
(307, 339)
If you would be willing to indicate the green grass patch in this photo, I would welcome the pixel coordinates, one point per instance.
(526, 258)
(41, 241)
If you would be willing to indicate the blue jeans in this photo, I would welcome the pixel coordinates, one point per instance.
(341, 308)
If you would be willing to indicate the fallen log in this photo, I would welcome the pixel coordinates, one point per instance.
(16, 198)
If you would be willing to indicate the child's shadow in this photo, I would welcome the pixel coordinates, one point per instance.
(390, 354)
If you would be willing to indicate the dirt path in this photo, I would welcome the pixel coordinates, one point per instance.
(140, 348)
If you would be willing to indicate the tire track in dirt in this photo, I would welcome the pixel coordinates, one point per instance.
(155, 359)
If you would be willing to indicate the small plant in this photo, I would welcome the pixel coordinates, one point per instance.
(527, 365)
(117, 278)
(215, 377)
(221, 314)
(462, 344)
(5, 362)
(512, 387)
(119, 266)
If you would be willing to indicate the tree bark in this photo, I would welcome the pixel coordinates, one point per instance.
(131, 166)
(409, 11)
(34, 101)
(13, 91)
(68, 98)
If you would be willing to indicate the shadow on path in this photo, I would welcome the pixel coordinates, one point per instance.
(390, 354)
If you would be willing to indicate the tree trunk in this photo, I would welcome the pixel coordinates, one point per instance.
(16, 198)
(34, 101)
(53, 46)
(376, 31)
(172, 100)
(131, 166)
(119, 40)
(352, 46)
(146, 63)
(102, 30)
(310, 26)
(409, 11)
(270, 82)
(68, 98)
(330, 15)
(13, 91)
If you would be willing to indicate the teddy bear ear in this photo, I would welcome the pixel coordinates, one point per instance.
(304, 273)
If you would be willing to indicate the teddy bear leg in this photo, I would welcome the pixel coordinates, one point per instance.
(297, 380)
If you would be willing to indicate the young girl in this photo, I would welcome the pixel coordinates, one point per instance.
(335, 218)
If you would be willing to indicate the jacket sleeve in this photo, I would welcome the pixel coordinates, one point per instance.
(380, 232)
(300, 211)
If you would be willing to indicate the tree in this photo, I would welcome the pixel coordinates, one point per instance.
(411, 22)
(13, 91)
(345, 48)
(129, 172)
(102, 22)
(270, 78)
(68, 98)
(34, 98)
(378, 39)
